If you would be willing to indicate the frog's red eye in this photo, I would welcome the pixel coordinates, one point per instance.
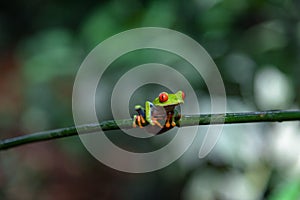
(163, 97)
(183, 95)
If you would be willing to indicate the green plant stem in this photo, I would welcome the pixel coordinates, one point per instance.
(186, 120)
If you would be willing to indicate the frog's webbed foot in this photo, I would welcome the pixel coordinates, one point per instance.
(173, 123)
(168, 124)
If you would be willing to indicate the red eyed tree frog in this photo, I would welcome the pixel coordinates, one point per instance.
(161, 109)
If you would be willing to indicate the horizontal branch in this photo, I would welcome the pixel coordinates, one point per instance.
(186, 120)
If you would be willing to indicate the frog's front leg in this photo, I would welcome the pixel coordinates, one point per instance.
(173, 123)
(170, 119)
(154, 120)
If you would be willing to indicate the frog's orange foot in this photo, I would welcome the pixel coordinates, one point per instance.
(173, 123)
(168, 124)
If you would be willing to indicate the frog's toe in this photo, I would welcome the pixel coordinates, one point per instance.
(173, 124)
(167, 124)
(143, 120)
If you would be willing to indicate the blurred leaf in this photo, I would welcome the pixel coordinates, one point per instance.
(160, 13)
(265, 37)
(287, 191)
(216, 22)
(49, 54)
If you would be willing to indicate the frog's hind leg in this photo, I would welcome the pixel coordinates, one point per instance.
(141, 112)
(137, 121)
(140, 117)
(134, 121)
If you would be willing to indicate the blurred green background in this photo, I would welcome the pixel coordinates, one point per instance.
(256, 46)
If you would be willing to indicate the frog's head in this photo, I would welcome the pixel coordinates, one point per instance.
(165, 99)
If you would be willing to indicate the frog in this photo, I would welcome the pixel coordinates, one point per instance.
(162, 108)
